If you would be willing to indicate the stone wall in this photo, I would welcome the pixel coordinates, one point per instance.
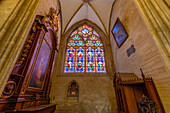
(147, 55)
(96, 91)
(96, 94)
(45, 6)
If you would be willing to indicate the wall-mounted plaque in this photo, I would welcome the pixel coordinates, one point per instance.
(130, 50)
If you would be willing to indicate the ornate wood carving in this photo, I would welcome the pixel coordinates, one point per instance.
(44, 29)
(9, 89)
(146, 105)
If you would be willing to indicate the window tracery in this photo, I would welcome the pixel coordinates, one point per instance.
(85, 52)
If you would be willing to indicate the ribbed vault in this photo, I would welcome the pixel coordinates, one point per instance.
(97, 11)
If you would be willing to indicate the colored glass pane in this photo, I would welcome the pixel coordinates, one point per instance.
(100, 64)
(69, 65)
(74, 33)
(79, 60)
(85, 31)
(94, 32)
(90, 65)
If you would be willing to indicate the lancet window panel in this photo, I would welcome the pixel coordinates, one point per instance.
(85, 52)
(80, 60)
(69, 64)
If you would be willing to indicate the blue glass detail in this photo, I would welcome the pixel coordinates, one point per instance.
(76, 42)
(85, 31)
(70, 60)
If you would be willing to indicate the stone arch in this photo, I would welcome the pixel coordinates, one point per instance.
(104, 38)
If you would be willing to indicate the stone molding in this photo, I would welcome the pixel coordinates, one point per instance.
(156, 14)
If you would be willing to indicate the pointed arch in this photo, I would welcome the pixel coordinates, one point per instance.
(85, 51)
(72, 17)
(106, 44)
(88, 23)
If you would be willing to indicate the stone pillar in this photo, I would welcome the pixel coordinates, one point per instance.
(156, 13)
(12, 35)
(109, 57)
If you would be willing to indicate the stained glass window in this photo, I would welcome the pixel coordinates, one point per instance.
(85, 52)
(69, 65)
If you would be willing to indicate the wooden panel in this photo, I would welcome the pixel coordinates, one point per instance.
(130, 99)
(153, 94)
(139, 91)
(134, 91)
(120, 100)
(30, 80)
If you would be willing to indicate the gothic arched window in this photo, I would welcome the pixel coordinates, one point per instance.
(85, 52)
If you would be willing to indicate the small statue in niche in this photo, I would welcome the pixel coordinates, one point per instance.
(73, 89)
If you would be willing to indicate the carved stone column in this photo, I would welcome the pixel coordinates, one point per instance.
(156, 13)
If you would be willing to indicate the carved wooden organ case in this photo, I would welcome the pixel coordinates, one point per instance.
(29, 82)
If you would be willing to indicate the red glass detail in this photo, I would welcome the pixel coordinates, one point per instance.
(69, 66)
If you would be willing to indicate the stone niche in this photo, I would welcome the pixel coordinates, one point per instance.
(73, 92)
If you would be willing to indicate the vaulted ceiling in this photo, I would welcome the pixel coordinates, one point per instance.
(96, 11)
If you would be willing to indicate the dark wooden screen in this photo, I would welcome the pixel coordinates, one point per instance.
(130, 89)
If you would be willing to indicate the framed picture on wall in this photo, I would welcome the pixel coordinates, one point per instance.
(39, 71)
(119, 33)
